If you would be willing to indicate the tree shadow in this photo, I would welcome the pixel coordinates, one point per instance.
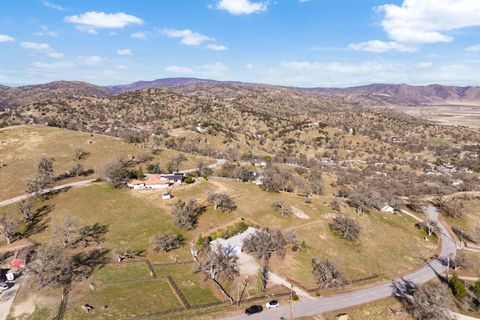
(86, 262)
(92, 234)
(37, 222)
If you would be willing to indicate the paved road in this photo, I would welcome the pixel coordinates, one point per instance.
(6, 300)
(316, 306)
(63, 186)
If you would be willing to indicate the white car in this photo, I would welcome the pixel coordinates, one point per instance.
(4, 286)
(272, 304)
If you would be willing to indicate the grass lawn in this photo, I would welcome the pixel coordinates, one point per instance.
(120, 272)
(21, 147)
(193, 285)
(389, 246)
(124, 300)
(132, 222)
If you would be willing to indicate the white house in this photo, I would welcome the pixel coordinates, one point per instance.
(235, 242)
(385, 207)
(152, 181)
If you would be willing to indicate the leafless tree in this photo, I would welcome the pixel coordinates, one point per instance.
(336, 205)
(26, 209)
(220, 264)
(186, 213)
(291, 237)
(80, 154)
(327, 273)
(116, 172)
(68, 233)
(9, 228)
(315, 182)
(77, 170)
(280, 207)
(262, 245)
(222, 201)
(166, 241)
(462, 261)
(44, 178)
(177, 161)
(346, 228)
(203, 170)
(52, 267)
(430, 226)
(452, 208)
(425, 303)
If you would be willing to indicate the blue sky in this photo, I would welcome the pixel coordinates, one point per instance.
(289, 42)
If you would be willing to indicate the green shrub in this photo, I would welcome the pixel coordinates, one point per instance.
(458, 287)
(189, 179)
(295, 297)
(476, 288)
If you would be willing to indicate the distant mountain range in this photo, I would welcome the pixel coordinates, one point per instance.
(368, 95)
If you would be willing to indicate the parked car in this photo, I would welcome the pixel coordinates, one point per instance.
(4, 286)
(253, 309)
(272, 304)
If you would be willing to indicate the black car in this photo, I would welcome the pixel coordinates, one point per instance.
(253, 309)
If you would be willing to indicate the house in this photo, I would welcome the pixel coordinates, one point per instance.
(166, 196)
(152, 181)
(385, 207)
(235, 242)
(174, 178)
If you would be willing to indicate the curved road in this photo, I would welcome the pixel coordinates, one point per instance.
(316, 306)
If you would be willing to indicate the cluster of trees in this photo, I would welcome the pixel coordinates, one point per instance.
(72, 254)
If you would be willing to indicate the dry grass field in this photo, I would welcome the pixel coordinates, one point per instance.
(448, 114)
(21, 148)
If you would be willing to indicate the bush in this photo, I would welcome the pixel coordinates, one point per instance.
(476, 288)
(295, 297)
(189, 179)
(458, 287)
(166, 242)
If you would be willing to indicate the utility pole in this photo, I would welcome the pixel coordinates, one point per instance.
(291, 301)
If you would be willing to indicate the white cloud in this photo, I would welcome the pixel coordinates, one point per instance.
(139, 35)
(51, 66)
(216, 70)
(238, 7)
(249, 66)
(5, 38)
(428, 21)
(124, 52)
(424, 65)
(45, 31)
(89, 22)
(92, 60)
(187, 36)
(381, 46)
(474, 48)
(51, 5)
(42, 48)
(216, 47)
(179, 70)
